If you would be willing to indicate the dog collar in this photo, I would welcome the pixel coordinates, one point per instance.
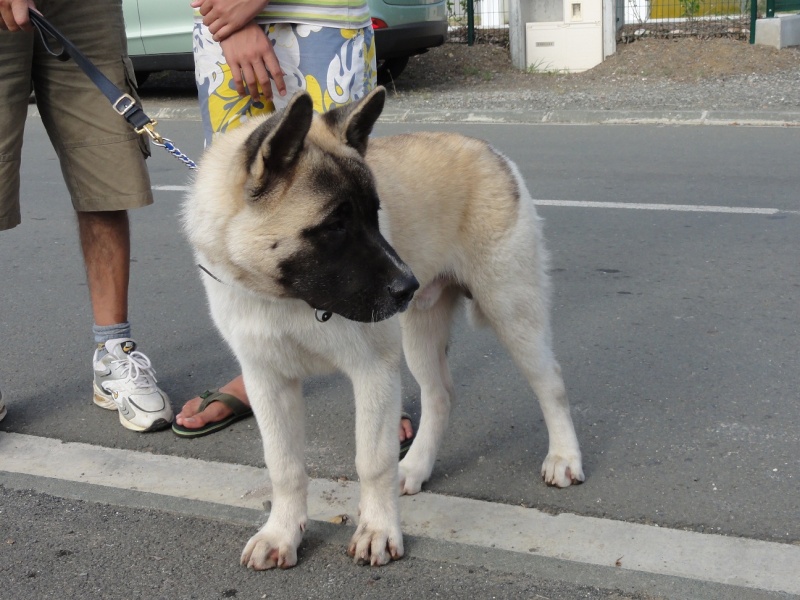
(323, 316)
(210, 274)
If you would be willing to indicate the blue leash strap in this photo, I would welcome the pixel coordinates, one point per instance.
(170, 147)
(124, 104)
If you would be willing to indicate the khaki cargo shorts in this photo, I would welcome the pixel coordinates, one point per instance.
(102, 158)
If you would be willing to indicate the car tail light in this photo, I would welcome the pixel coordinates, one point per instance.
(378, 24)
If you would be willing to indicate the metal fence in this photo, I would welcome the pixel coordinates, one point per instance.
(635, 19)
(673, 18)
(484, 21)
(777, 6)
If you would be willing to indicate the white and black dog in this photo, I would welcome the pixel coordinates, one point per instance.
(302, 216)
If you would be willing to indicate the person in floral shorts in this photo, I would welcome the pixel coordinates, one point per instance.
(251, 57)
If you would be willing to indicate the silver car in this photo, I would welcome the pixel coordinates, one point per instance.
(160, 33)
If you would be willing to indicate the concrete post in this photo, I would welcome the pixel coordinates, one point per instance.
(609, 28)
(528, 11)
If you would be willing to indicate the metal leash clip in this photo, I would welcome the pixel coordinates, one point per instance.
(150, 130)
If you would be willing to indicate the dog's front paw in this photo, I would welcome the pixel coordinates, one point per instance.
(376, 545)
(412, 476)
(562, 470)
(271, 548)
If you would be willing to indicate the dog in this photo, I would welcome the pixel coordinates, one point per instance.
(326, 250)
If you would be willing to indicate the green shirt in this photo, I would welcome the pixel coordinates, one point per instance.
(342, 14)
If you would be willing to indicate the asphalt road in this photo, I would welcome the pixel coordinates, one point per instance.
(675, 328)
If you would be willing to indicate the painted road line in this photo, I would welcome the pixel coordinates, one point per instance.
(704, 557)
(743, 210)
(172, 188)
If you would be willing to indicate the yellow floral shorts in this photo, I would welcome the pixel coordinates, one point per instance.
(336, 66)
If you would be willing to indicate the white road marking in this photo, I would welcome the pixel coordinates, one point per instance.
(171, 188)
(734, 561)
(744, 210)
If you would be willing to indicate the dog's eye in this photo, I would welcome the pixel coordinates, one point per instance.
(335, 226)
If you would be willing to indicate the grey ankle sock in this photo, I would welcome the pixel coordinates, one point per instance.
(103, 333)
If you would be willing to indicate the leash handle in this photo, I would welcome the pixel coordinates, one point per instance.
(124, 104)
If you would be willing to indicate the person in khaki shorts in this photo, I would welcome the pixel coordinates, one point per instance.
(103, 163)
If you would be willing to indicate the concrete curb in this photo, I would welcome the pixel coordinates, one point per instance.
(417, 547)
(752, 566)
(596, 117)
(395, 113)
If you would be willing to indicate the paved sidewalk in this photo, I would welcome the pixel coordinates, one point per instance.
(583, 542)
(755, 100)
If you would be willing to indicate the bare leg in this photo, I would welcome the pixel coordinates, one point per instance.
(106, 244)
(216, 411)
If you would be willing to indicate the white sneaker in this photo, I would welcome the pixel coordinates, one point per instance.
(125, 381)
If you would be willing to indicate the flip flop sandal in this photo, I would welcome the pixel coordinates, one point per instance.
(239, 408)
(406, 443)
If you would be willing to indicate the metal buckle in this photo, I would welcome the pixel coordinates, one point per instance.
(126, 107)
(149, 129)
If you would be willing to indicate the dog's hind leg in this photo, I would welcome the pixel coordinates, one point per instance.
(425, 336)
(280, 411)
(518, 311)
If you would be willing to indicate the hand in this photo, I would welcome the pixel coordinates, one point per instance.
(252, 60)
(14, 15)
(225, 17)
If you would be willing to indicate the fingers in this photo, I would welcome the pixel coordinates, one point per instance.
(252, 61)
(14, 15)
(274, 68)
(223, 19)
(202, 5)
(221, 31)
(21, 14)
(251, 79)
(254, 80)
(248, 82)
(6, 19)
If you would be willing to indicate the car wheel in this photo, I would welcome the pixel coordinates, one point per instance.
(389, 69)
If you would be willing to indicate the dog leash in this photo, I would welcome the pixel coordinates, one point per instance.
(124, 104)
(323, 316)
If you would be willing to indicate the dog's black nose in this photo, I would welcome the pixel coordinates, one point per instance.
(402, 288)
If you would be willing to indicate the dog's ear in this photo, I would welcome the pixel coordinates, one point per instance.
(355, 121)
(274, 146)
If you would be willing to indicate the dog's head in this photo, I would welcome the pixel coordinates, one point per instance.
(302, 219)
